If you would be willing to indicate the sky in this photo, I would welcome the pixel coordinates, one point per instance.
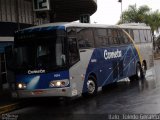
(109, 11)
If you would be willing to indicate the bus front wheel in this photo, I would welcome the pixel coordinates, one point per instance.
(91, 86)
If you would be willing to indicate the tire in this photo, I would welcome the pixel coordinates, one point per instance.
(132, 78)
(144, 69)
(91, 86)
(139, 72)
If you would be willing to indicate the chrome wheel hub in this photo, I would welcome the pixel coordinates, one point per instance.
(91, 86)
(139, 73)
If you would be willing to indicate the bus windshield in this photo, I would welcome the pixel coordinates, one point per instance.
(44, 53)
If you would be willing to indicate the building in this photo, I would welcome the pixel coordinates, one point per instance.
(19, 14)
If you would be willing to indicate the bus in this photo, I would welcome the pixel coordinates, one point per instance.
(74, 59)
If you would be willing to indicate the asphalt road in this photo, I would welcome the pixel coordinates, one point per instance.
(115, 101)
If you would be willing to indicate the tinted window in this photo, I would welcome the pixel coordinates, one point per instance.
(85, 38)
(121, 36)
(71, 31)
(149, 35)
(115, 36)
(73, 51)
(145, 36)
(131, 33)
(142, 38)
(126, 39)
(136, 36)
(101, 32)
(101, 37)
(109, 35)
(45, 52)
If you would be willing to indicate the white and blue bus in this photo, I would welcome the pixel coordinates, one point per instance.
(72, 59)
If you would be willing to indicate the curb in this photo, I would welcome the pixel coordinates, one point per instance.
(8, 108)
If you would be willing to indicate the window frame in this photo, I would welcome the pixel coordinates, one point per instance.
(71, 63)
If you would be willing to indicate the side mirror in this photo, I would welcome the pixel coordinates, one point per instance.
(63, 57)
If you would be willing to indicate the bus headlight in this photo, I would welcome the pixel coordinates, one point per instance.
(21, 86)
(59, 83)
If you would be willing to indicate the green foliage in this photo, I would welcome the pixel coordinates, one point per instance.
(143, 14)
(153, 20)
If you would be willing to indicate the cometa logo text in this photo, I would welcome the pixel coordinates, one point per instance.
(114, 54)
(36, 71)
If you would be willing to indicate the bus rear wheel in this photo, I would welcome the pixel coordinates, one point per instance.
(144, 69)
(91, 86)
(139, 72)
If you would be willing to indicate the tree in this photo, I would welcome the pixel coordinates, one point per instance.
(135, 15)
(143, 14)
(153, 20)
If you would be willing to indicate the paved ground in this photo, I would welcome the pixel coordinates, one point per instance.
(116, 101)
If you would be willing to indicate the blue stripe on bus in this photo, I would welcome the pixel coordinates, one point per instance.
(41, 81)
(129, 56)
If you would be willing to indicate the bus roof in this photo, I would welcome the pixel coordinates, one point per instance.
(64, 25)
(134, 26)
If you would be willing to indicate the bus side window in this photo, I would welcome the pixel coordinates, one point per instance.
(121, 36)
(71, 31)
(149, 36)
(109, 35)
(145, 36)
(101, 37)
(131, 33)
(142, 37)
(136, 36)
(114, 36)
(126, 40)
(73, 51)
(117, 36)
(85, 38)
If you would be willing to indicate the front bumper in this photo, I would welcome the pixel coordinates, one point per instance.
(53, 92)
